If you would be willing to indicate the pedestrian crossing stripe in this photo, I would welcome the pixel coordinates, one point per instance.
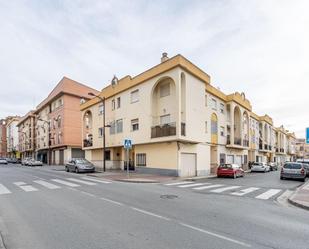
(70, 182)
(220, 188)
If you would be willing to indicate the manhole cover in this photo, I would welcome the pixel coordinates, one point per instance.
(168, 196)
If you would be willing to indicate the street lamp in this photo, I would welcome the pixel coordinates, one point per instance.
(104, 126)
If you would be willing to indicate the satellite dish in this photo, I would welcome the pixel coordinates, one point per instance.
(82, 101)
(114, 81)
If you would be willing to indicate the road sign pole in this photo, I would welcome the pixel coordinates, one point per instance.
(128, 161)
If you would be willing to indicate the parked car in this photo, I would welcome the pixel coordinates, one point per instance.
(273, 166)
(260, 167)
(79, 165)
(33, 162)
(3, 161)
(293, 170)
(11, 160)
(25, 161)
(306, 164)
(232, 170)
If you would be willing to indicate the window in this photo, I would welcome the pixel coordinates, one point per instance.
(101, 132)
(141, 159)
(135, 96)
(134, 124)
(164, 90)
(59, 138)
(59, 122)
(119, 125)
(214, 104)
(118, 102)
(222, 131)
(101, 109)
(113, 104)
(221, 108)
(60, 102)
(206, 127)
(206, 99)
(112, 129)
(165, 119)
(108, 155)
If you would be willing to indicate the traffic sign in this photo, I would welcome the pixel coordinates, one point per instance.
(307, 135)
(127, 144)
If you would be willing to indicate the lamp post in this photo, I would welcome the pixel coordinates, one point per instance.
(104, 147)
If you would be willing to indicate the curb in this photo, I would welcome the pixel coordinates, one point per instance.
(136, 181)
(297, 204)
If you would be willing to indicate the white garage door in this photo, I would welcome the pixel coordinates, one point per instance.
(230, 159)
(187, 164)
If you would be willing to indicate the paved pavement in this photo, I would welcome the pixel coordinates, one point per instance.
(55, 209)
(301, 197)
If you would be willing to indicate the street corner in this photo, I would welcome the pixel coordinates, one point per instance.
(300, 197)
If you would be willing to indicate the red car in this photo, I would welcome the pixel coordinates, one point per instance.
(229, 169)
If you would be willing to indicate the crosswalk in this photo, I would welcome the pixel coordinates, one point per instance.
(256, 192)
(51, 184)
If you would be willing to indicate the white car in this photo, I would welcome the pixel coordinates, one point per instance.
(260, 167)
(3, 161)
(33, 162)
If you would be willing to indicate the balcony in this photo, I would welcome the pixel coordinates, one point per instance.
(163, 130)
(228, 139)
(265, 147)
(88, 142)
(260, 146)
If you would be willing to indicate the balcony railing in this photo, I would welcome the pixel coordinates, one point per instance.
(163, 130)
(237, 141)
(265, 147)
(183, 129)
(260, 146)
(88, 142)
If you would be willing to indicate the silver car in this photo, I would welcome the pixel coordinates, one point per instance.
(3, 161)
(79, 165)
(293, 170)
(260, 167)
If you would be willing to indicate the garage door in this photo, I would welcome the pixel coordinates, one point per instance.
(78, 153)
(230, 159)
(187, 164)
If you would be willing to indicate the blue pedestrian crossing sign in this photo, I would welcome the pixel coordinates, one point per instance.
(307, 136)
(127, 144)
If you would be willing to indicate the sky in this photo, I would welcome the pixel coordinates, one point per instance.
(258, 47)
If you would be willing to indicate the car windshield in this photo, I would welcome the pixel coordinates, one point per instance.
(226, 166)
(292, 166)
(81, 161)
(257, 164)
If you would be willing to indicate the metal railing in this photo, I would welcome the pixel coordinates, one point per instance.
(237, 141)
(246, 143)
(88, 142)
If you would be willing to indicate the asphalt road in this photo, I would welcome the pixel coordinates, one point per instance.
(37, 210)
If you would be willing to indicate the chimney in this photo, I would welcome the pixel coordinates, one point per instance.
(164, 57)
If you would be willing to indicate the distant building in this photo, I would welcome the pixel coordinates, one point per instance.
(12, 137)
(302, 149)
(3, 140)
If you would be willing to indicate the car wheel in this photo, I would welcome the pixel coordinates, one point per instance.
(76, 170)
(303, 180)
(281, 178)
(67, 169)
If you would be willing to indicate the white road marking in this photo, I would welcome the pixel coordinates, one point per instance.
(266, 195)
(245, 191)
(81, 181)
(47, 184)
(66, 183)
(86, 193)
(149, 213)
(94, 180)
(111, 201)
(4, 190)
(216, 235)
(192, 185)
(208, 187)
(26, 188)
(176, 183)
(220, 190)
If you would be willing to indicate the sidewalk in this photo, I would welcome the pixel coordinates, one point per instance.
(300, 198)
(117, 175)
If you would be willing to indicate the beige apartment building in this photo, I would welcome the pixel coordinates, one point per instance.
(58, 125)
(26, 134)
(301, 148)
(179, 123)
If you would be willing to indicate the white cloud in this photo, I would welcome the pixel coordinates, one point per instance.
(259, 47)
